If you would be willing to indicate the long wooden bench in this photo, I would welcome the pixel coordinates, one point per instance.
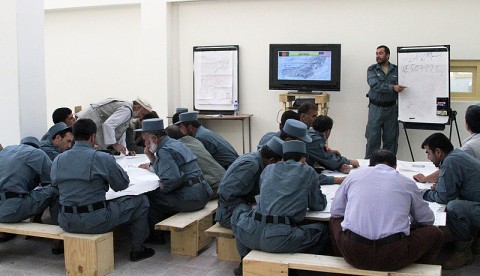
(187, 229)
(85, 254)
(262, 263)
(225, 242)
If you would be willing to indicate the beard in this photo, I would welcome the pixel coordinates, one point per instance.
(153, 147)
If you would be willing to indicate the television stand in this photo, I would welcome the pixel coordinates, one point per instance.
(321, 100)
(306, 92)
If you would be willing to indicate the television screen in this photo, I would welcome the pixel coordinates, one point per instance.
(305, 67)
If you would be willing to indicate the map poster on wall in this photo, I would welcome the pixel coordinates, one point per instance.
(425, 72)
(215, 78)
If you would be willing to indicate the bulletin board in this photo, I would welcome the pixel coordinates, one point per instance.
(215, 79)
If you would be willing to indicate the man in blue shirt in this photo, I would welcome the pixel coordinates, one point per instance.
(23, 167)
(83, 175)
(182, 185)
(317, 150)
(218, 147)
(458, 187)
(59, 139)
(382, 125)
(371, 215)
(275, 224)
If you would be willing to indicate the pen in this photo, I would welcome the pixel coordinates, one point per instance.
(418, 166)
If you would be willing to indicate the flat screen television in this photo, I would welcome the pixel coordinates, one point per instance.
(305, 68)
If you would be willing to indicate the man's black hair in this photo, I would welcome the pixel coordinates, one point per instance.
(387, 50)
(322, 123)
(383, 156)
(289, 114)
(173, 131)
(83, 129)
(305, 107)
(296, 156)
(438, 141)
(472, 118)
(61, 114)
(266, 153)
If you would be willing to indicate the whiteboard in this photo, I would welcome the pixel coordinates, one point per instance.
(215, 78)
(425, 71)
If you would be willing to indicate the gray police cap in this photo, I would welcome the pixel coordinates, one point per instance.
(294, 146)
(30, 140)
(275, 144)
(56, 128)
(181, 110)
(297, 129)
(187, 117)
(149, 125)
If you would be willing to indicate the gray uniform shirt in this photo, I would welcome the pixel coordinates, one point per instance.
(83, 175)
(459, 178)
(217, 146)
(49, 148)
(317, 151)
(22, 168)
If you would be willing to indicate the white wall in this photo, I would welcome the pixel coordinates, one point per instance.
(360, 26)
(94, 52)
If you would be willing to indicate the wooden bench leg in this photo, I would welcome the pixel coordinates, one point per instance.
(227, 249)
(88, 254)
(252, 267)
(191, 239)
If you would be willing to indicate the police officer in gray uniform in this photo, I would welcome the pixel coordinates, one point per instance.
(61, 141)
(82, 189)
(275, 224)
(218, 147)
(240, 182)
(382, 125)
(23, 167)
(182, 187)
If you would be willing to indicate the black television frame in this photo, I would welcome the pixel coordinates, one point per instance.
(305, 86)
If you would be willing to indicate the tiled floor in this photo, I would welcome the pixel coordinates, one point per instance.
(33, 257)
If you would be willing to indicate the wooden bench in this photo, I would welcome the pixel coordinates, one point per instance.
(187, 229)
(225, 242)
(85, 254)
(262, 263)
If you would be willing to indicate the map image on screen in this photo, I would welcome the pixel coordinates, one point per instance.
(305, 65)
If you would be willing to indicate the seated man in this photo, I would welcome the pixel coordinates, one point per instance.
(307, 112)
(134, 140)
(211, 170)
(276, 223)
(371, 215)
(318, 152)
(59, 139)
(23, 167)
(240, 182)
(183, 187)
(458, 187)
(471, 144)
(62, 114)
(289, 114)
(216, 145)
(83, 176)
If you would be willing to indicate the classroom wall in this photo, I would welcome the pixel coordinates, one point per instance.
(94, 52)
(360, 26)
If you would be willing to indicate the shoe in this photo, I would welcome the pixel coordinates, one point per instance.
(57, 247)
(4, 237)
(140, 255)
(239, 270)
(462, 256)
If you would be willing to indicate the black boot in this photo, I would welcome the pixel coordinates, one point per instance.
(145, 253)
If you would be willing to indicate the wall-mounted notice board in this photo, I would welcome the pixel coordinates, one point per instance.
(425, 71)
(215, 78)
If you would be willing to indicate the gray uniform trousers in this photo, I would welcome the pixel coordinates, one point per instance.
(276, 238)
(33, 203)
(127, 210)
(463, 217)
(383, 127)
